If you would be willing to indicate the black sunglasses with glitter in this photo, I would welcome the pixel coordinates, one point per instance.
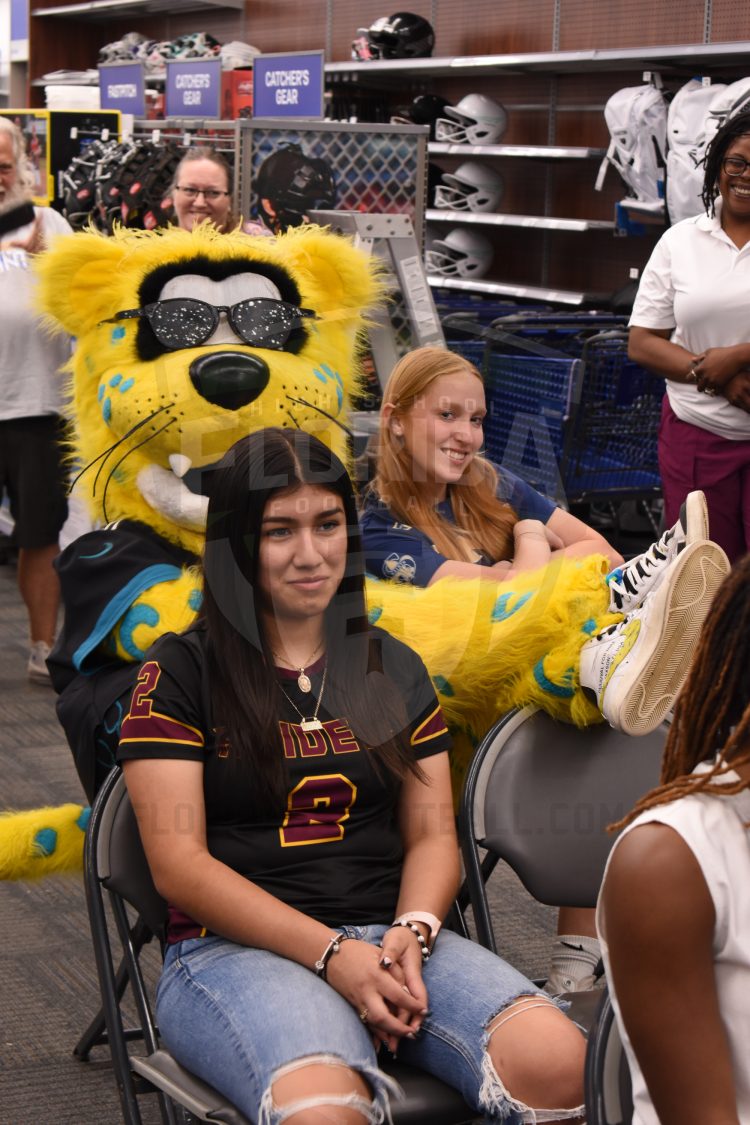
(186, 322)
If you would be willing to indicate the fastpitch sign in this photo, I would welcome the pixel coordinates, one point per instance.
(288, 85)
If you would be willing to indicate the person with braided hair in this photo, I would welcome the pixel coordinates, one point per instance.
(674, 911)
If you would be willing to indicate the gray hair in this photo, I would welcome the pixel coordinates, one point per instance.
(24, 170)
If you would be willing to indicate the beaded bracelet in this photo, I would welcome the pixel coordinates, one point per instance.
(424, 948)
(321, 965)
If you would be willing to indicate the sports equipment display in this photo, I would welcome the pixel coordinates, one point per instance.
(403, 35)
(472, 187)
(462, 253)
(475, 120)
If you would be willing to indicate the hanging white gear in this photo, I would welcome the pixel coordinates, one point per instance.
(472, 187)
(462, 253)
(475, 120)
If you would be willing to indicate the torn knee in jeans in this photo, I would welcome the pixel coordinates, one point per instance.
(495, 1098)
(373, 1109)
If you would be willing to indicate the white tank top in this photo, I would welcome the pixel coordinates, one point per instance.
(716, 831)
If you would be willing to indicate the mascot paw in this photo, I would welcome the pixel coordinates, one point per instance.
(42, 841)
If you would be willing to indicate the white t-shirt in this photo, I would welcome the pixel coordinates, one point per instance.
(698, 283)
(714, 828)
(30, 355)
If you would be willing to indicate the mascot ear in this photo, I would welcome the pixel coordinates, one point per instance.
(333, 276)
(77, 277)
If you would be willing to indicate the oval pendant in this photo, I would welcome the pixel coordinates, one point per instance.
(303, 682)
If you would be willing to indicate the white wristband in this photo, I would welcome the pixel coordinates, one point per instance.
(430, 920)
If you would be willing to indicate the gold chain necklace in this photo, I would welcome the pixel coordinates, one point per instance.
(303, 680)
(313, 723)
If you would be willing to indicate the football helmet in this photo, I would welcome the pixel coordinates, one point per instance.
(472, 187)
(400, 36)
(475, 120)
(462, 253)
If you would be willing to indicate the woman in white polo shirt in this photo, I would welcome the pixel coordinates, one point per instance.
(691, 324)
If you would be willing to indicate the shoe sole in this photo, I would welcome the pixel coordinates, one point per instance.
(37, 677)
(694, 517)
(668, 640)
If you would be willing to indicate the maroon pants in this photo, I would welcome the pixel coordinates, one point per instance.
(689, 458)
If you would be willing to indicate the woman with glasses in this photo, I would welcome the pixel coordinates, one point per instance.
(690, 324)
(202, 190)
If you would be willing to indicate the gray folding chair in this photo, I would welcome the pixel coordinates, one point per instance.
(539, 795)
(115, 863)
(609, 1098)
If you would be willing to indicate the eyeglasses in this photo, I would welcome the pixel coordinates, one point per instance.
(209, 194)
(735, 165)
(185, 322)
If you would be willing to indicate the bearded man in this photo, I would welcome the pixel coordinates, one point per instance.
(31, 471)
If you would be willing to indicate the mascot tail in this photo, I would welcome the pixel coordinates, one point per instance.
(42, 842)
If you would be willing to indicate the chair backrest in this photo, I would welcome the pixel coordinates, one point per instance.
(540, 794)
(120, 859)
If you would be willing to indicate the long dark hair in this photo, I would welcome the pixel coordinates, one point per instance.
(712, 714)
(734, 127)
(246, 698)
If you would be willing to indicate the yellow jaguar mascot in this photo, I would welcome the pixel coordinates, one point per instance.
(162, 385)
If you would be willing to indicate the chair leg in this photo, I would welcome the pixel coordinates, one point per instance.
(95, 1034)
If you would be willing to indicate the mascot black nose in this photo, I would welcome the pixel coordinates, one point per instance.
(229, 379)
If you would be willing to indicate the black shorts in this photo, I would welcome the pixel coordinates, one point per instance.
(32, 473)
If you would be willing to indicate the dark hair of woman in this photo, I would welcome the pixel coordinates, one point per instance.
(734, 127)
(712, 714)
(246, 698)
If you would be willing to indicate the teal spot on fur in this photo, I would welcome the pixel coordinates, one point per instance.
(589, 626)
(374, 615)
(501, 612)
(119, 475)
(100, 393)
(443, 686)
(126, 385)
(319, 375)
(115, 380)
(614, 575)
(106, 410)
(195, 601)
(562, 691)
(45, 842)
(136, 615)
(83, 819)
(117, 334)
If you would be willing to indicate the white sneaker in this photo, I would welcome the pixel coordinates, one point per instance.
(629, 583)
(37, 667)
(636, 668)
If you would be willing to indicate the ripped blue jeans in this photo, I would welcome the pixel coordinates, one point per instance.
(239, 1017)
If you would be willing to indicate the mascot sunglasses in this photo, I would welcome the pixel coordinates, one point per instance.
(186, 322)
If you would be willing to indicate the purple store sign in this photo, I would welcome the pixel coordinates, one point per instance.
(122, 86)
(194, 88)
(288, 85)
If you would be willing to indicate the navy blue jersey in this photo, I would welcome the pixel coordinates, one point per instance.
(403, 553)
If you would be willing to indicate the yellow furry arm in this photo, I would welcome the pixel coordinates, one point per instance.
(167, 607)
(42, 842)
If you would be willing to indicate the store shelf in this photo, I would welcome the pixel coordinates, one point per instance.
(113, 9)
(506, 289)
(529, 152)
(539, 222)
(677, 57)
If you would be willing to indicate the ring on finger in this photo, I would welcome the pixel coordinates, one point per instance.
(364, 1015)
(692, 375)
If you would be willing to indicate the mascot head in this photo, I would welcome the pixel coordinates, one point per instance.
(187, 340)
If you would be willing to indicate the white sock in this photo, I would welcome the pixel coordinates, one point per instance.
(575, 959)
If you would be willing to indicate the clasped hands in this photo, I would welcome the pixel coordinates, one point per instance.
(384, 985)
(722, 371)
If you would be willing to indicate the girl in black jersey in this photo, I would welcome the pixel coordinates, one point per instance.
(288, 766)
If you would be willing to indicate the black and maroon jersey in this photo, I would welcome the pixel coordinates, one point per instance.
(335, 851)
